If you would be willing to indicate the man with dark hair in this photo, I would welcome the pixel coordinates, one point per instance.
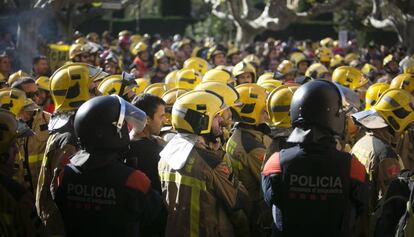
(145, 148)
(40, 66)
(28, 85)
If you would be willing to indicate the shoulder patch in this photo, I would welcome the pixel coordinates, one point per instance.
(357, 170)
(249, 142)
(138, 180)
(272, 166)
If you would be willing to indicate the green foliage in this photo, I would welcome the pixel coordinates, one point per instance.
(351, 18)
(211, 26)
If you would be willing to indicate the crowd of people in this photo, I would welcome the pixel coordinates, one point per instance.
(150, 136)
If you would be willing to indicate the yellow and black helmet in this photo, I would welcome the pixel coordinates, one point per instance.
(16, 76)
(404, 81)
(171, 79)
(157, 89)
(218, 75)
(170, 97)
(243, 67)
(43, 83)
(187, 79)
(373, 94)
(194, 111)
(316, 71)
(12, 99)
(349, 77)
(278, 106)
(70, 84)
(196, 63)
(253, 101)
(396, 107)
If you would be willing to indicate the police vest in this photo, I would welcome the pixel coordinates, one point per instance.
(315, 192)
(97, 202)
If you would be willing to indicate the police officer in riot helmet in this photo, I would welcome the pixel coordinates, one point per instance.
(314, 189)
(97, 194)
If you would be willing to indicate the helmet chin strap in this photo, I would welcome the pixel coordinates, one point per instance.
(121, 117)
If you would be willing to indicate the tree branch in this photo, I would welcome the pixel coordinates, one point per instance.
(318, 9)
(389, 22)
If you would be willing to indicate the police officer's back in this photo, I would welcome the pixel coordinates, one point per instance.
(315, 190)
(97, 194)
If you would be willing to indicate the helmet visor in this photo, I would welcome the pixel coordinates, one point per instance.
(350, 100)
(96, 73)
(132, 115)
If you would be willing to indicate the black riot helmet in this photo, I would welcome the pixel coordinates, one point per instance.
(319, 103)
(101, 123)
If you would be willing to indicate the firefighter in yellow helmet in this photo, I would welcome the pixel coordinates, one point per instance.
(374, 92)
(336, 61)
(370, 71)
(187, 79)
(31, 148)
(44, 94)
(196, 63)
(219, 75)
(390, 66)
(196, 184)
(318, 71)
(17, 210)
(270, 85)
(16, 76)
(162, 64)
(12, 99)
(79, 53)
(217, 55)
(407, 65)
(278, 108)
(157, 89)
(170, 97)
(70, 86)
(300, 61)
(404, 81)
(385, 122)
(115, 84)
(349, 77)
(286, 72)
(142, 58)
(141, 84)
(351, 57)
(405, 146)
(267, 76)
(171, 79)
(244, 73)
(231, 99)
(247, 148)
(324, 56)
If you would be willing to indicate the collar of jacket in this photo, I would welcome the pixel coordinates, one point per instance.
(258, 131)
(384, 135)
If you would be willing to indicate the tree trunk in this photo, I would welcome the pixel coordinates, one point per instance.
(245, 35)
(27, 37)
(407, 35)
